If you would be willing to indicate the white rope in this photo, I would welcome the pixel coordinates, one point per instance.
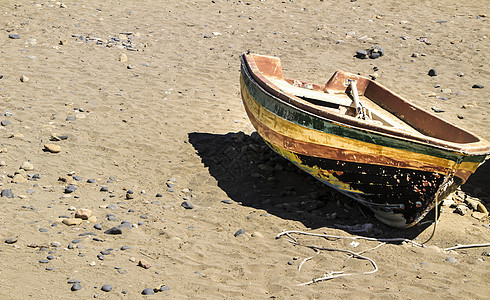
(467, 246)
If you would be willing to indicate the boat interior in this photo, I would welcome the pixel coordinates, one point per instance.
(359, 98)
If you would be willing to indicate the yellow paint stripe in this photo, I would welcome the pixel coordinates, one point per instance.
(321, 138)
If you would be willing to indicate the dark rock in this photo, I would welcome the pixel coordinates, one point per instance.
(362, 54)
(44, 261)
(14, 36)
(76, 241)
(106, 288)
(239, 231)
(5, 122)
(11, 240)
(432, 72)
(147, 291)
(70, 189)
(187, 205)
(477, 86)
(91, 180)
(76, 286)
(123, 248)
(104, 189)
(158, 195)
(227, 201)
(98, 226)
(43, 230)
(7, 193)
(100, 256)
(113, 230)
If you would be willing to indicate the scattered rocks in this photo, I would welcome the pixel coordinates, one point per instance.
(53, 148)
(371, 53)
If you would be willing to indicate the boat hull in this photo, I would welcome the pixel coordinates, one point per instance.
(400, 180)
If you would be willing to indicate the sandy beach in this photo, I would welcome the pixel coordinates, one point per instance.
(129, 167)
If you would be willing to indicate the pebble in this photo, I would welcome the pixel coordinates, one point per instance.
(164, 288)
(477, 86)
(7, 193)
(257, 234)
(11, 240)
(123, 58)
(14, 36)
(5, 123)
(112, 206)
(90, 180)
(104, 189)
(113, 230)
(83, 213)
(123, 248)
(239, 232)
(187, 205)
(432, 72)
(98, 226)
(227, 201)
(70, 189)
(24, 78)
(144, 264)
(52, 148)
(158, 195)
(27, 166)
(451, 259)
(72, 221)
(106, 288)
(76, 286)
(43, 230)
(148, 291)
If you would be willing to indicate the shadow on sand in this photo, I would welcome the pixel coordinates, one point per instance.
(253, 175)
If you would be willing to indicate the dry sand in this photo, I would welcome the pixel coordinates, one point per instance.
(173, 112)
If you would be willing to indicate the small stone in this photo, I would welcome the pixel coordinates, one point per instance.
(227, 201)
(14, 36)
(164, 288)
(92, 219)
(112, 206)
(106, 288)
(257, 234)
(5, 123)
(123, 248)
(187, 205)
(27, 166)
(158, 195)
(113, 230)
(362, 54)
(52, 148)
(104, 189)
(71, 222)
(70, 189)
(7, 193)
(451, 259)
(24, 78)
(18, 178)
(144, 264)
(148, 291)
(83, 213)
(460, 74)
(76, 286)
(477, 86)
(432, 72)
(11, 240)
(98, 226)
(239, 232)
(437, 109)
(90, 180)
(123, 58)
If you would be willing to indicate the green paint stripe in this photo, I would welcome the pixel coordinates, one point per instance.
(309, 120)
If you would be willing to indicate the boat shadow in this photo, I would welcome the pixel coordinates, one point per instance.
(253, 175)
(477, 185)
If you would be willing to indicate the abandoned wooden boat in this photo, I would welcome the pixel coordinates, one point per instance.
(360, 138)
